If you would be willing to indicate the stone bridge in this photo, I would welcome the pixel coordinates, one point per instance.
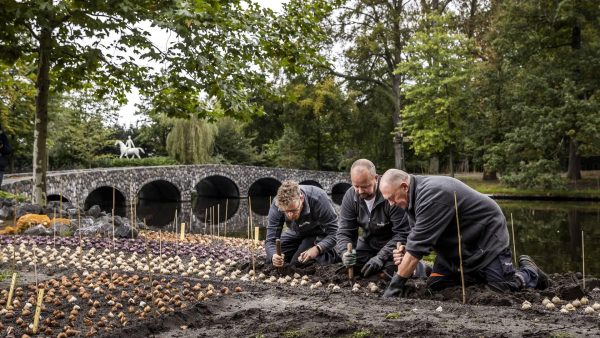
(205, 185)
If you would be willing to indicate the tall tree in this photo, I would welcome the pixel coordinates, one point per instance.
(219, 47)
(439, 78)
(191, 140)
(552, 49)
(80, 130)
(374, 36)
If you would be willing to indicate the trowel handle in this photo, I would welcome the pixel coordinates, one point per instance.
(350, 269)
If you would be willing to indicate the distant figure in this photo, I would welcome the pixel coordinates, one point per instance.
(126, 151)
(4, 152)
(129, 142)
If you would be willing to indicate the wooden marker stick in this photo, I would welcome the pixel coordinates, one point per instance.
(350, 269)
(38, 310)
(11, 291)
(462, 275)
(278, 251)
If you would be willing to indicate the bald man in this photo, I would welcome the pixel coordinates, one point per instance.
(429, 202)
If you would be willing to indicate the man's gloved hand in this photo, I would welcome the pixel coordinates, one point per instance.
(349, 258)
(396, 287)
(373, 266)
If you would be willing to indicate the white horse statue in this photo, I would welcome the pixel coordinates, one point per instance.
(126, 151)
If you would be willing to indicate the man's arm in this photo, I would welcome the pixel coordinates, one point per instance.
(400, 228)
(347, 231)
(328, 219)
(408, 265)
(274, 228)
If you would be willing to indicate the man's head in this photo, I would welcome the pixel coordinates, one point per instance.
(364, 178)
(394, 185)
(289, 199)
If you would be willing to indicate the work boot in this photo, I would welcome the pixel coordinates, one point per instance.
(543, 282)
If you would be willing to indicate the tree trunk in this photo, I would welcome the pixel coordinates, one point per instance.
(490, 175)
(451, 162)
(574, 171)
(40, 151)
(398, 140)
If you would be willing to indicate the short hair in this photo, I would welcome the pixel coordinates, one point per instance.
(364, 164)
(394, 177)
(288, 193)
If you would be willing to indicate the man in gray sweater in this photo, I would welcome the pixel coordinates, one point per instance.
(383, 225)
(312, 223)
(429, 202)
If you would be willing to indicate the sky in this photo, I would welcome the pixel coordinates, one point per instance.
(126, 113)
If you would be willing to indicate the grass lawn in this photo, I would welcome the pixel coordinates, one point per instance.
(588, 186)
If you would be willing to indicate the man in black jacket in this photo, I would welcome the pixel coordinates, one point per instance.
(431, 203)
(312, 223)
(383, 225)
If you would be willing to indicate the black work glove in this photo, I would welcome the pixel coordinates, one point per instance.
(396, 287)
(373, 266)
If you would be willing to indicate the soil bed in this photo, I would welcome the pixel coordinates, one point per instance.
(283, 311)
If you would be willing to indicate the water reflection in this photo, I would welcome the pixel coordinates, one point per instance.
(551, 233)
(157, 213)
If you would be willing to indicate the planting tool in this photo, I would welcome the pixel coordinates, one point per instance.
(278, 250)
(350, 269)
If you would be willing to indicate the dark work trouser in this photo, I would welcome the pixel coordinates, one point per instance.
(500, 275)
(293, 244)
(364, 252)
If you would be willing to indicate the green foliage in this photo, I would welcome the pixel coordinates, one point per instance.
(9, 196)
(287, 152)
(362, 333)
(292, 334)
(232, 146)
(542, 174)
(438, 70)
(191, 141)
(551, 52)
(392, 315)
(107, 161)
(78, 131)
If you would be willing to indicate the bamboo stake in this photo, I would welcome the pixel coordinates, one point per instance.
(278, 251)
(583, 259)
(254, 250)
(191, 218)
(38, 310)
(462, 275)
(512, 225)
(149, 268)
(225, 222)
(160, 248)
(350, 269)
(175, 223)
(60, 192)
(248, 226)
(54, 229)
(113, 230)
(218, 219)
(205, 219)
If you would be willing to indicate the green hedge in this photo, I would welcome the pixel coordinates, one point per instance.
(107, 161)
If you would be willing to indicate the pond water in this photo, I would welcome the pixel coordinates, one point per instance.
(550, 232)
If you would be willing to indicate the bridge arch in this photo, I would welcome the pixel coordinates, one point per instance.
(338, 190)
(261, 193)
(216, 196)
(311, 182)
(103, 197)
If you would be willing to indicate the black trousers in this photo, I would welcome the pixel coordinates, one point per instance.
(293, 244)
(500, 275)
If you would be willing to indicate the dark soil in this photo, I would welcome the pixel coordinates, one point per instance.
(274, 310)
